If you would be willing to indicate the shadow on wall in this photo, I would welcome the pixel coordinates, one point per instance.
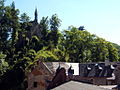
(58, 79)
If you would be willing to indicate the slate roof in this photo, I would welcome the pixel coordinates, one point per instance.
(96, 70)
(85, 70)
(73, 85)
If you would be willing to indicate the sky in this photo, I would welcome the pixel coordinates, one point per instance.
(100, 17)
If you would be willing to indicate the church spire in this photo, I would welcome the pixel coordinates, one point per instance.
(36, 15)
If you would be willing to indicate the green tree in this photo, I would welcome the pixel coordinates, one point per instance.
(54, 25)
(81, 46)
(77, 44)
(24, 24)
(118, 48)
(44, 28)
(24, 18)
(11, 24)
(3, 64)
(4, 27)
(36, 43)
(113, 54)
(14, 23)
(99, 50)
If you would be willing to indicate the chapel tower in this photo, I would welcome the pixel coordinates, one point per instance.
(36, 16)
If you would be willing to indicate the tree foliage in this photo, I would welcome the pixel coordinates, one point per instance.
(3, 64)
(81, 46)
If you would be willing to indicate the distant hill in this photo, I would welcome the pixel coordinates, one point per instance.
(117, 46)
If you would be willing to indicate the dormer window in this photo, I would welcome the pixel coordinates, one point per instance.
(70, 71)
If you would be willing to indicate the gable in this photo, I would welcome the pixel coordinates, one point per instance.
(37, 72)
(54, 65)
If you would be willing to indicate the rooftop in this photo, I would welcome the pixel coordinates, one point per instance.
(73, 85)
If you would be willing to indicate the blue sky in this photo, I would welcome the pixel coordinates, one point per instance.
(100, 17)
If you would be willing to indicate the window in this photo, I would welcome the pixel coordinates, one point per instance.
(35, 84)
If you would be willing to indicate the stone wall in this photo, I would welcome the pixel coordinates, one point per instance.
(81, 79)
(91, 80)
(99, 81)
(38, 78)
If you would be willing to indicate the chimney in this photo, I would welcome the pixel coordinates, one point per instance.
(107, 62)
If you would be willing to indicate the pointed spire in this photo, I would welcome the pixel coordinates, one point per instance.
(36, 15)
